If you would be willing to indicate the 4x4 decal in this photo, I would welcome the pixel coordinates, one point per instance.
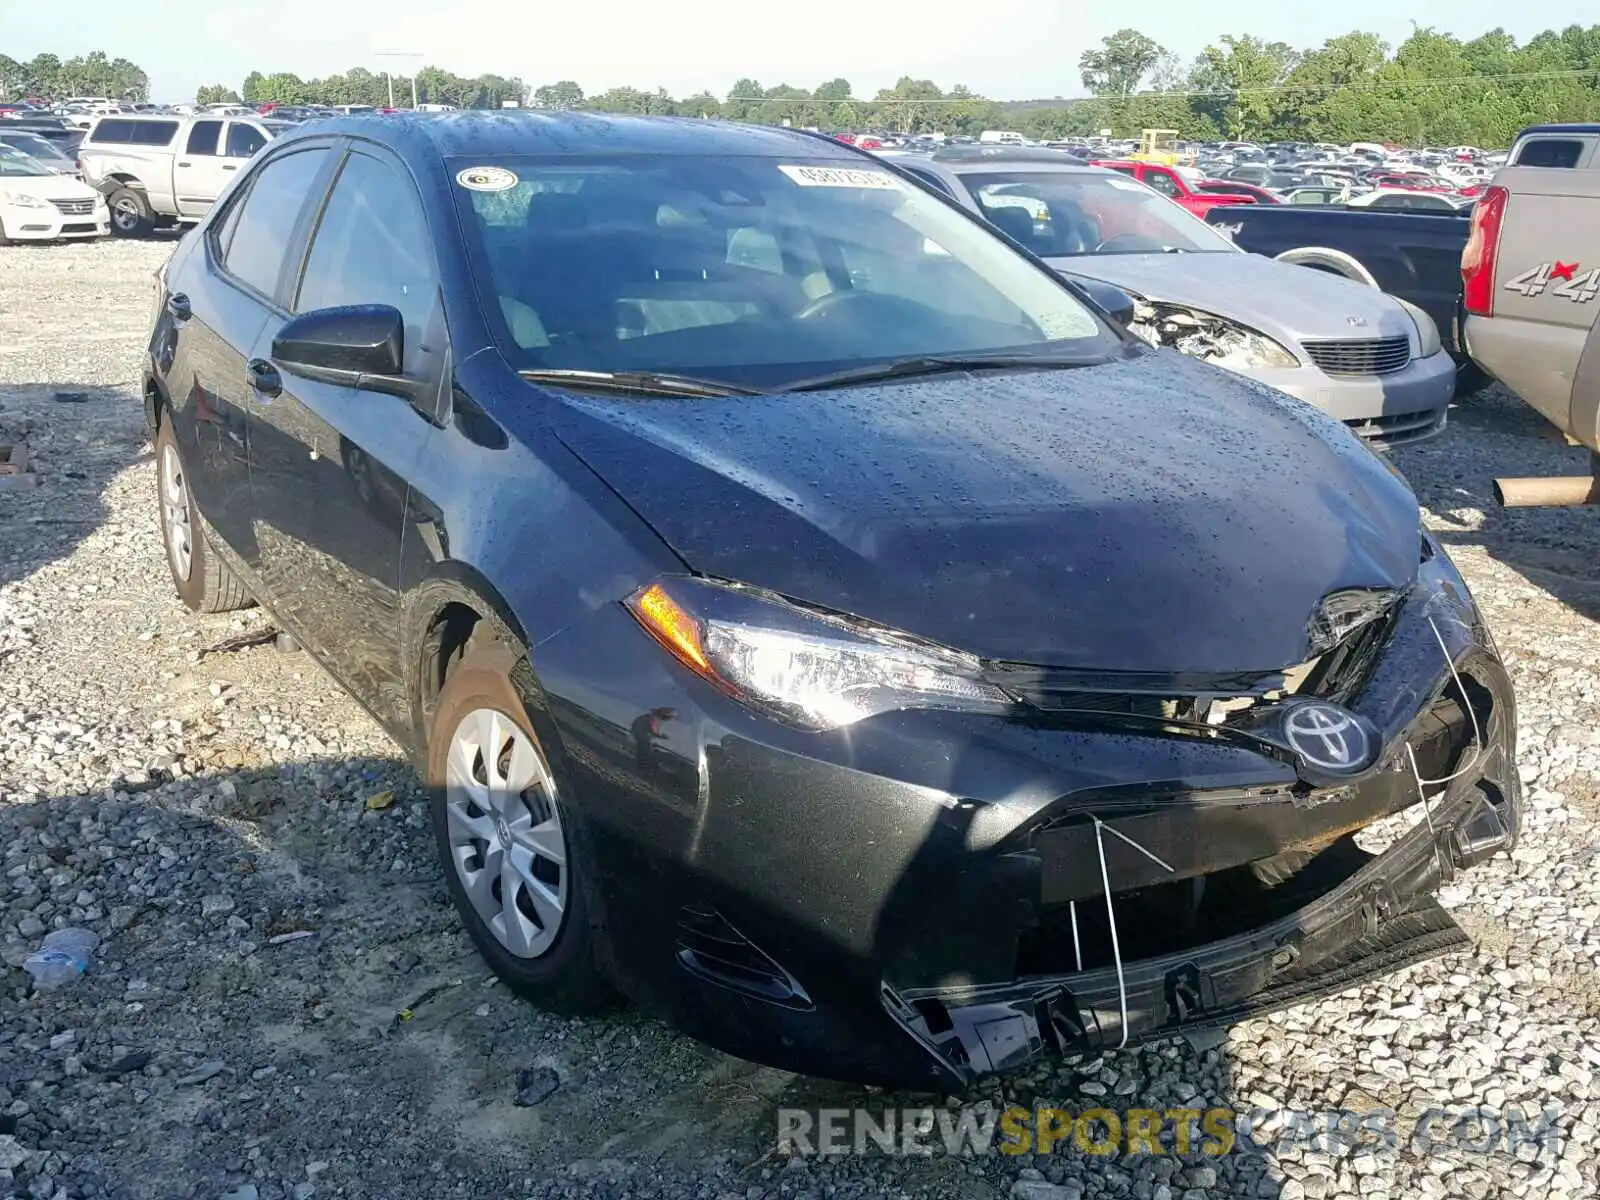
(1561, 278)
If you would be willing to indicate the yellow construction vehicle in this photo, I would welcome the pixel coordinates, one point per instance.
(1158, 146)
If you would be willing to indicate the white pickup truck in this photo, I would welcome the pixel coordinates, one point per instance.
(1531, 294)
(157, 169)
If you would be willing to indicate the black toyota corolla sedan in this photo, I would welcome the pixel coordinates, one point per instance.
(818, 620)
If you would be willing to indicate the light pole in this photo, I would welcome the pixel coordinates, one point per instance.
(390, 75)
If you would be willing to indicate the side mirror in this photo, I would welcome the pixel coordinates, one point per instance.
(358, 345)
(1108, 296)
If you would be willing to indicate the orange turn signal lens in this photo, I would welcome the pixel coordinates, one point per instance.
(674, 628)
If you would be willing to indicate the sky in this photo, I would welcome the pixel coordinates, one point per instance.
(1005, 49)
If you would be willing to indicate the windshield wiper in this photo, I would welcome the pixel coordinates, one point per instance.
(909, 368)
(645, 383)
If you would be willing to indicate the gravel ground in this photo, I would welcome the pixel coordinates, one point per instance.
(197, 804)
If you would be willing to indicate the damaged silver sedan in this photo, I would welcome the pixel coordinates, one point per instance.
(1372, 360)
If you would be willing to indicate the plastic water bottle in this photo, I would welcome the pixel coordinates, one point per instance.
(61, 958)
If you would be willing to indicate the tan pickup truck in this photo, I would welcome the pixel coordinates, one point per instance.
(1531, 292)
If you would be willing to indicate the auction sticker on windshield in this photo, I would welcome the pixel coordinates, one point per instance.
(487, 179)
(846, 177)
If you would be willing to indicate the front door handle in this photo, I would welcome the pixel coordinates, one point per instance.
(264, 377)
(183, 164)
(178, 306)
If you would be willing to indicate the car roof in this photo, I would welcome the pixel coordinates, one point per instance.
(507, 132)
(1576, 128)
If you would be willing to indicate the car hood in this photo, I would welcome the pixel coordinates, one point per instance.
(1284, 301)
(48, 187)
(1147, 515)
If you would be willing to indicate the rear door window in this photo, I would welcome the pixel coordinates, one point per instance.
(263, 229)
(203, 137)
(1564, 153)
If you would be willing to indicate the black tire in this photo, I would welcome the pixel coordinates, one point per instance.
(567, 977)
(131, 214)
(210, 586)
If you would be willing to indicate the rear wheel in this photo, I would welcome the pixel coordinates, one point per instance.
(131, 214)
(204, 582)
(516, 859)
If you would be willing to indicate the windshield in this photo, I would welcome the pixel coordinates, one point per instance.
(1070, 214)
(756, 272)
(34, 145)
(15, 164)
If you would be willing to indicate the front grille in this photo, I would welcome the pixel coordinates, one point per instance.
(74, 208)
(1361, 356)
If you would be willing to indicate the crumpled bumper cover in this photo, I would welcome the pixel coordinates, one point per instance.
(1379, 920)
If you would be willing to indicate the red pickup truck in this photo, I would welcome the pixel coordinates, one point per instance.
(1171, 184)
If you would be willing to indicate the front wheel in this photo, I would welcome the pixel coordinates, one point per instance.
(516, 860)
(205, 583)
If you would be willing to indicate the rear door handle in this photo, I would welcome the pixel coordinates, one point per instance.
(264, 377)
(178, 306)
(230, 166)
(183, 164)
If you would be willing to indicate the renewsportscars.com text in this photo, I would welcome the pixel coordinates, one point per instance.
(982, 1130)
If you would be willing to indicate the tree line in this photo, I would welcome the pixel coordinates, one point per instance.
(1432, 89)
(93, 74)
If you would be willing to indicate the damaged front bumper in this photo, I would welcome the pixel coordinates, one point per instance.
(921, 899)
(1377, 921)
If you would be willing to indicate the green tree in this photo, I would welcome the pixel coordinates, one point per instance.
(563, 94)
(743, 100)
(1120, 64)
(701, 104)
(1238, 78)
(41, 76)
(216, 93)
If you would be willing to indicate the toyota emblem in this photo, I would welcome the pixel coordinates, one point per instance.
(1327, 737)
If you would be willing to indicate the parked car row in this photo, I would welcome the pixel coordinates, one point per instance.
(819, 618)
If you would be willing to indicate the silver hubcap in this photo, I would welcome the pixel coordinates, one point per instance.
(175, 514)
(506, 841)
(126, 213)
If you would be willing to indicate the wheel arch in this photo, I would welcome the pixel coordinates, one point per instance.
(1326, 258)
(451, 609)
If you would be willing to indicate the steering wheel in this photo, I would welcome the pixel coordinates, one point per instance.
(1130, 243)
(876, 304)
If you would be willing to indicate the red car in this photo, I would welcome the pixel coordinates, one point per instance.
(1172, 185)
(1232, 187)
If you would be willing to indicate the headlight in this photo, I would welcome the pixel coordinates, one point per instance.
(808, 669)
(1428, 343)
(23, 200)
(1220, 341)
